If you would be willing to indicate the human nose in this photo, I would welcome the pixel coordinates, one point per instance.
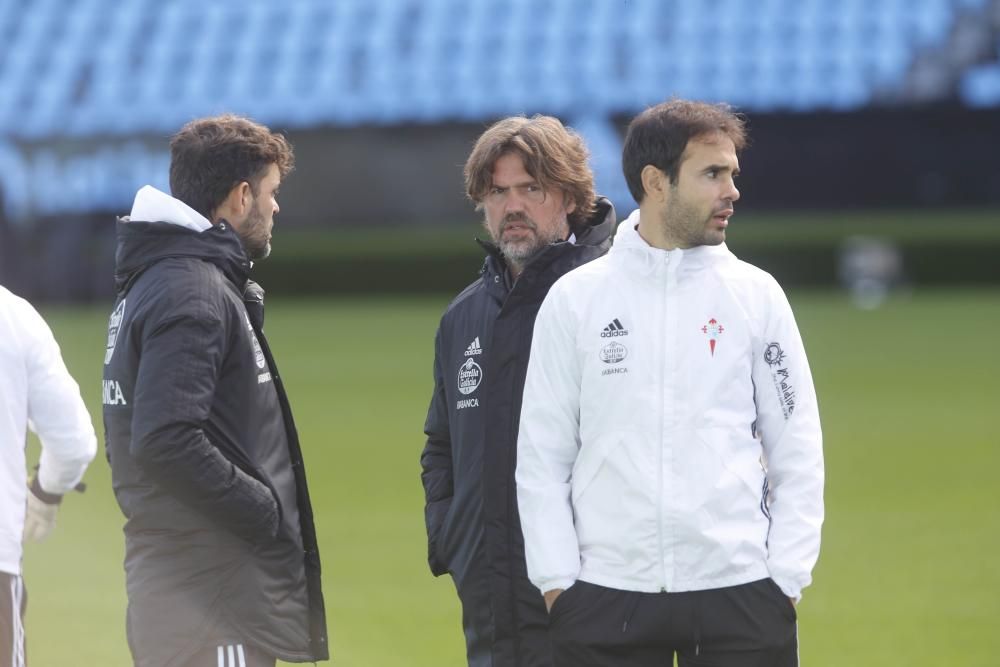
(734, 193)
(515, 200)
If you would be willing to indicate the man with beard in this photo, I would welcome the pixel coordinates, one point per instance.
(530, 178)
(221, 558)
(670, 464)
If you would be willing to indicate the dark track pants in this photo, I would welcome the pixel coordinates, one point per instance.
(751, 625)
(13, 600)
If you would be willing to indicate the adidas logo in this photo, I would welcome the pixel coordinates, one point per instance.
(474, 348)
(614, 329)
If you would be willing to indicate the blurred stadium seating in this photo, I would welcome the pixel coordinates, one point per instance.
(91, 89)
(102, 67)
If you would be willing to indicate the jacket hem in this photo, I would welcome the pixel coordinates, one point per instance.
(595, 576)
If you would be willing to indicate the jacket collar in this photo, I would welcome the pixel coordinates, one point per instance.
(174, 229)
(630, 247)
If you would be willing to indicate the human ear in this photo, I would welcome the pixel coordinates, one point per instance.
(654, 182)
(569, 204)
(237, 204)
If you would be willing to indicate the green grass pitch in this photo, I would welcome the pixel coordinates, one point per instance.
(908, 573)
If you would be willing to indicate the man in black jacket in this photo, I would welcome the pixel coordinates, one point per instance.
(221, 560)
(531, 179)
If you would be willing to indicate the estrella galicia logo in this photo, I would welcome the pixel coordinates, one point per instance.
(613, 353)
(114, 325)
(470, 374)
(773, 354)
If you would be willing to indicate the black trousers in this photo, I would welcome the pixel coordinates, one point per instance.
(13, 600)
(751, 625)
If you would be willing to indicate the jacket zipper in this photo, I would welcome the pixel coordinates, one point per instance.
(663, 430)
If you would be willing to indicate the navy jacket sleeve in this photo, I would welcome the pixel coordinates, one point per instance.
(436, 463)
(177, 376)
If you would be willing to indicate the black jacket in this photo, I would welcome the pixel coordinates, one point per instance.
(473, 528)
(205, 460)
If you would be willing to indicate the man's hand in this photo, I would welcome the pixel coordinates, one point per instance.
(40, 513)
(550, 597)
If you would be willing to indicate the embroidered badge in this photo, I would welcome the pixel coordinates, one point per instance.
(712, 329)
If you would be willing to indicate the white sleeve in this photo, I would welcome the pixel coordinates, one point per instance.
(788, 422)
(547, 446)
(55, 409)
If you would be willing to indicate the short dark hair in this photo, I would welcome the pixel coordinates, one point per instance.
(553, 155)
(211, 156)
(659, 135)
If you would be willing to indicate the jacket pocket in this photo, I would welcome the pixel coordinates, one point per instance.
(563, 600)
(779, 597)
(590, 461)
(738, 458)
(437, 516)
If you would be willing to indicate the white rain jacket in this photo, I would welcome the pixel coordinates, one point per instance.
(669, 437)
(36, 391)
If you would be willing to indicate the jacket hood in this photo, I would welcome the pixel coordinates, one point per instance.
(634, 249)
(161, 226)
(595, 231)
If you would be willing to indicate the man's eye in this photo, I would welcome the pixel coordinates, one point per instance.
(496, 191)
(534, 187)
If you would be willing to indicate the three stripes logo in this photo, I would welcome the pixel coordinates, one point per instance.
(231, 656)
(614, 330)
(474, 348)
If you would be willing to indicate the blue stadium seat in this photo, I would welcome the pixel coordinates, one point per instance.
(980, 87)
(93, 67)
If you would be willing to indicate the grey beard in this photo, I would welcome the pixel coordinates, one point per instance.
(519, 255)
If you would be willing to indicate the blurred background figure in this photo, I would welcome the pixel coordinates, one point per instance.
(869, 269)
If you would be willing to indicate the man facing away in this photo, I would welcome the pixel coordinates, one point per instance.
(531, 179)
(670, 468)
(37, 392)
(221, 559)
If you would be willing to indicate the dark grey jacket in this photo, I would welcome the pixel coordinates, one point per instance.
(473, 529)
(206, 466)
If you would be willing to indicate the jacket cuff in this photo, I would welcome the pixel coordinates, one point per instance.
(43, 495)
(553, 584)
(788, 587)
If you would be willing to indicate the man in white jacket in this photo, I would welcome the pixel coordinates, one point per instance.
(670, 466)
(37, 392)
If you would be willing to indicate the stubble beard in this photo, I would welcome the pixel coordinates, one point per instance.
(689, 227)
(255, 239)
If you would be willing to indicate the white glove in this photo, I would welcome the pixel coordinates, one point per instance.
(39, 516)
